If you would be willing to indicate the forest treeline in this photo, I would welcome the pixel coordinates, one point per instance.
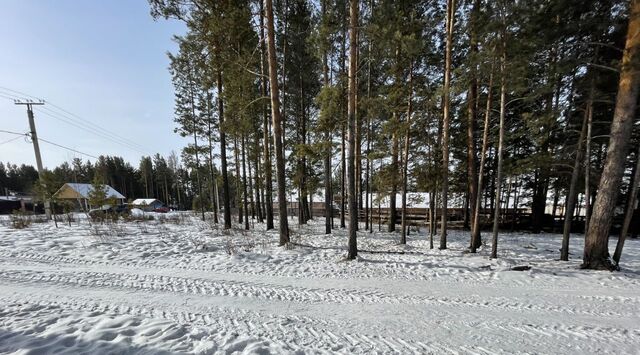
(489, 99)
(505, 103)
(164, 178)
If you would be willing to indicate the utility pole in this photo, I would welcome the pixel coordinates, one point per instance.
(36, 146)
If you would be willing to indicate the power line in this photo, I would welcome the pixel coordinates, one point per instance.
(54, 115)
(44, 140)
(78, 122)
(10, 140)
(97, 126)
(11, 132)
(67, 148)
(18, 92)
(7, 97)
(84, 124)
(87, 125)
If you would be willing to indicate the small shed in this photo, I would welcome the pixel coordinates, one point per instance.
(79, 193)
(147, 204)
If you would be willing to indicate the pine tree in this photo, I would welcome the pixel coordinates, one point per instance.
(277, 125)
(97, 194)
(596, 253)
(353, 208)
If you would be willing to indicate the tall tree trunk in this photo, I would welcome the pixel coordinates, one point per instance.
(446, 122)
(277, 128)
(343, 177)
(283, 110)
(250, 187)
(395, 148)
(572, 197)
(395, 152)
(405, 166)
(554, 207)
(212, 175)
(514, 213)
(328, 205)
(226, 197)
(238, 199)
(268, 178)
(367, 211)
(195, 143)
(358, 144)
(631, 204)
(596, 253)
(302, 160)
(472, 93)
(476, 241)
(353, 207)
(434, 216)
(244, 186)
(587, 164)
(503, 94)
(344, 119)
(258, 181)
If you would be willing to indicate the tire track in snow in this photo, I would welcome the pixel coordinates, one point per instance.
(308, 332)
(361, 270)
(226, 288)
(299, 331)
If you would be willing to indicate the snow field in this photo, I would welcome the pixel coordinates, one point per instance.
(180, 285)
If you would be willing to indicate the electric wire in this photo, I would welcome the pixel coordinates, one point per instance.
(78, 122)
(66, 112)
(95, 132)
(67, 148)
(11, 132)
(20, 135)
(10, 140)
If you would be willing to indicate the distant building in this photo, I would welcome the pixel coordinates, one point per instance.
(147, 204)
(10, 203)
(79, 194)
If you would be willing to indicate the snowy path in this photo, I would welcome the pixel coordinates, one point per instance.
(63, 292)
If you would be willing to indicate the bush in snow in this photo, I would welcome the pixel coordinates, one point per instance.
(20, 220)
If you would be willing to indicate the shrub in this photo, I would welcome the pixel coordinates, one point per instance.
(20, 220)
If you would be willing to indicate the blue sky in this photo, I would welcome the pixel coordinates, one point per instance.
(104, 61)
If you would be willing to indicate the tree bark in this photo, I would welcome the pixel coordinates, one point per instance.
(367, 212)
(277, 128)
(238, 199)
(212, 174)
(394, 183)
(195, 144)
(587, 167)
(353, 207)
(503, 94)
(268, 178)
(244, 185)
(343, 178)
(405, 166)
(328, 205)
(596, 253)
(258, 181)
(223, 157)
(573, 191)
(631, 204)
(476, 241)
(446, 122)
(472, 93)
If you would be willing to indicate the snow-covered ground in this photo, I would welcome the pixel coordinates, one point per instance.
(184, 286)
